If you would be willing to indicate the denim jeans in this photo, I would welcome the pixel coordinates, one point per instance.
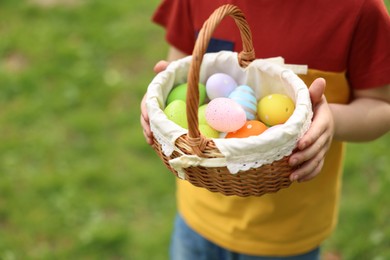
(186, 244)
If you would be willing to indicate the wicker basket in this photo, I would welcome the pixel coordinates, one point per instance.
(255, 181)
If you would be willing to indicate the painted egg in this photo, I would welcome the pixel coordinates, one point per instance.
(225, 115)
(245, 96)
(176, 112)
(220, 85)
(275, 109)
(208, 131)
(202, 115)
(250, 128)
(180, 92)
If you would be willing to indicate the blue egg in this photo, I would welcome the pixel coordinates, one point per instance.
(245, 96)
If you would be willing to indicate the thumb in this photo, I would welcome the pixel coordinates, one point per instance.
(160, 66)
(317, 90)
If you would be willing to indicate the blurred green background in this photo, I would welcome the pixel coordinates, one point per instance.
(77, 180)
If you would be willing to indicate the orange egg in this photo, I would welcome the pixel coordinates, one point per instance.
(251, 128)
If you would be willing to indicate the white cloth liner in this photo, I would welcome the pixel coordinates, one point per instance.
(265, 76)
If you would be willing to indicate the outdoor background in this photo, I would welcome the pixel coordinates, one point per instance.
(77, 180)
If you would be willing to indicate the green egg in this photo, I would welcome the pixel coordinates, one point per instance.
(202, 115)
(208, 131)
(176, 112)
(180, 92)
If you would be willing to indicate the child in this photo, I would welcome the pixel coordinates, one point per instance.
(347, 44)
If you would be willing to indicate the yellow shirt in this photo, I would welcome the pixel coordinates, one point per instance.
(292, 221)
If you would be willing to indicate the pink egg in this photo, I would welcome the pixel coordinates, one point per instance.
(220, 85)
(225, 115)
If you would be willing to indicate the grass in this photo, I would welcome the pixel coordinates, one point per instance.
(363, 231)
(77, 179)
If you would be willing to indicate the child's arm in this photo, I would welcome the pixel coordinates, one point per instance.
(366, 118)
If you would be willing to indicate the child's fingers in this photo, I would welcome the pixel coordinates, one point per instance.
(160, 66)
(309, 169)
(316, 90)
(144, 119)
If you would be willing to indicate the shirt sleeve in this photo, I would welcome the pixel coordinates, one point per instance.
(176, 17)
(369, 60)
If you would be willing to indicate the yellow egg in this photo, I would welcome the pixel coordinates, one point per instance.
(275, 109)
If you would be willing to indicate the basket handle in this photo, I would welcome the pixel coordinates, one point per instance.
(245, 57)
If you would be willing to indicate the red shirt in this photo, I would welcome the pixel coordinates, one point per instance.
(352, 37)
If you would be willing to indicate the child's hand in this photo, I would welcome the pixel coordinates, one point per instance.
(315, 143)
(160, 66)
